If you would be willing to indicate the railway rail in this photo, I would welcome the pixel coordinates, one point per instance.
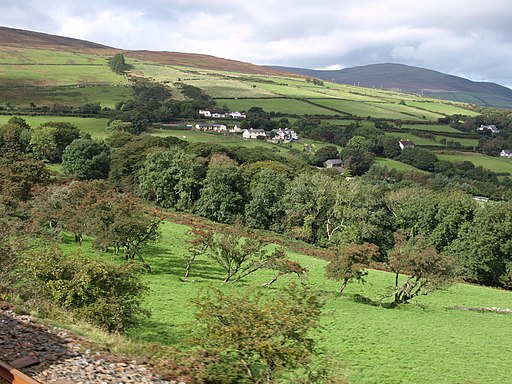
(12, 375)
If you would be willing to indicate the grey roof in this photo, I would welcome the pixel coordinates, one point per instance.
(333, 162)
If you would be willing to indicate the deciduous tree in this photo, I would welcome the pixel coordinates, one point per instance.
(351, 263)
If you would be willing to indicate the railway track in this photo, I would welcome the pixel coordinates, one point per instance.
(12, 375)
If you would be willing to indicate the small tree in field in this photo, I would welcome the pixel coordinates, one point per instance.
(426, 268)
(263, 337)
(198, 246)
(351, 263)
(278, 262)
(240, 254)
(237, 253)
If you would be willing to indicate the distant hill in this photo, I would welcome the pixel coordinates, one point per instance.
(30, 39)
(37, 40)
(415, 80)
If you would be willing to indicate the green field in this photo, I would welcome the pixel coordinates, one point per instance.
(363, 109)
(430, 127)
(107, 95)
(442, 108)
(463, 141)
(415, 139)
(47, 77)
(495, 164)
(399, 166)
(422, 342)
(285, 106)
(96, 127)
(235, 140)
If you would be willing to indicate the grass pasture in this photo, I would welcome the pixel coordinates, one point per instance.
(96, 127)
(442, 108)
(495, 164)
(398, 165)
(415, 139)
(363, 109)
(430, 127)
(73, 95)
(419, 343)
(48, 77)
(282, 105)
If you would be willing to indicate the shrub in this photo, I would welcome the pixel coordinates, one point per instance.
(105, 294)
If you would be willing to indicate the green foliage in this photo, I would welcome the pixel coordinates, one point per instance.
(239, 254)
(427, 269)
(105, 294)
(201, 99)
(14, 137)
(49, 140)
(351, 263)
(86, 159)
(171, 178)
(223, 194)
(118, 64)
(357, 160)
(419, 157)
(325, 153)
(265, 337)
(484, 246)
(265, 209)
(20, 175)
(120, 220)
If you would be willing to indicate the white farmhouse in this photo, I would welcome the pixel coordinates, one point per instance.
(506, 153)
(491, 128)
(252, 133)
(235, 129)
(238, 115)
(219, 128)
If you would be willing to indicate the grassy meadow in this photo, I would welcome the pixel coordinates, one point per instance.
(47, 77)
(96, 127)
(422, 342)
(398, 165)
(495, 164)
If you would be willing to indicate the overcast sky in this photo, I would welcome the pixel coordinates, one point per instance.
(467, 38)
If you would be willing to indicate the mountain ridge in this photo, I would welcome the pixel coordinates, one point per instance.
(412, 79)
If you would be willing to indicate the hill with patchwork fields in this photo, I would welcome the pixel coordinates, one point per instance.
(415, 80)
(52, 75)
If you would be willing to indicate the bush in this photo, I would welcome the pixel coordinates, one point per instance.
(105, 294)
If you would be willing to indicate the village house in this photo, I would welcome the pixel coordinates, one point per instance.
(219, 128)
(283, 135)
(235, 129)
(221, 114)
(237, 115)
(506, 153)
(336, 164)
(252, 133)
(216, 113)
(491, 128)
(405, 144)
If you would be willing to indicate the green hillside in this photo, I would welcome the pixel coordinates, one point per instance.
(422, 342)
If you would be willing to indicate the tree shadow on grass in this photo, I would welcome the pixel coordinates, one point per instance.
(374, 303)
(165, 262)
